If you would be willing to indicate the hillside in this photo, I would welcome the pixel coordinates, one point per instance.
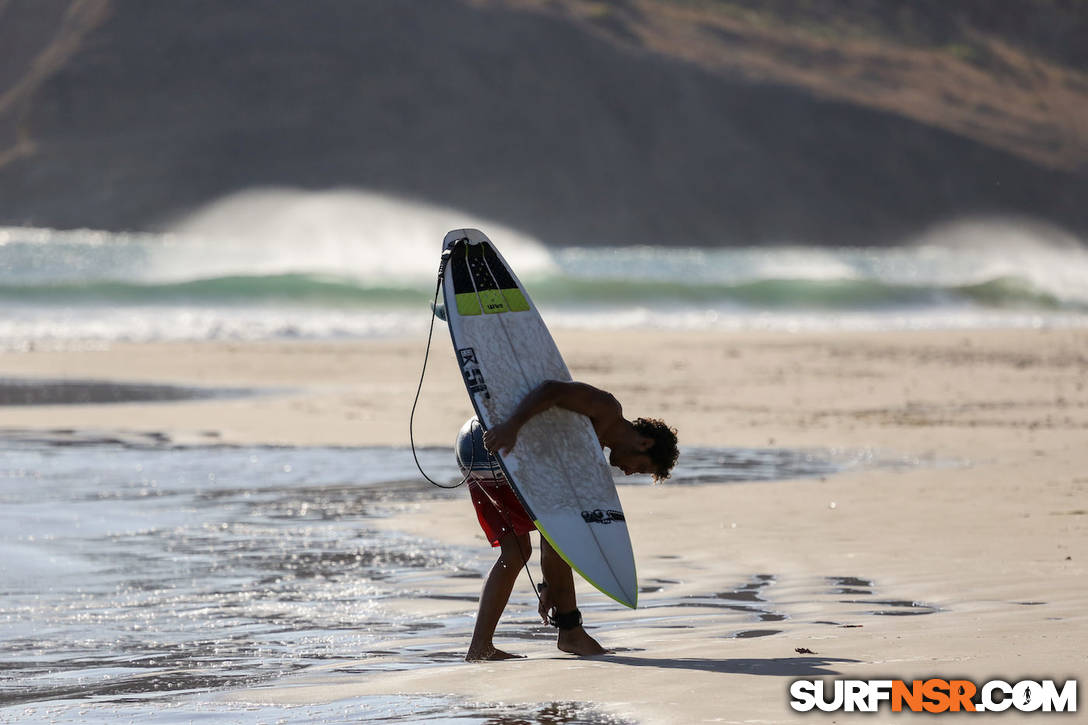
(1009, 73)
(579, 122)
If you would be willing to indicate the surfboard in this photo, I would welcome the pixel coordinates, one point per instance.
(557, 469)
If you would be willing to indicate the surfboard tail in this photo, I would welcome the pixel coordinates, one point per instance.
(617, 578)
(472, 236)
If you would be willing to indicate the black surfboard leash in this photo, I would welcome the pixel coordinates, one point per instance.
(426, 354)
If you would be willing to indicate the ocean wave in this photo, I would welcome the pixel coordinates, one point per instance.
(339, 266)
(807, 294)
(232, 289)
(563, 292)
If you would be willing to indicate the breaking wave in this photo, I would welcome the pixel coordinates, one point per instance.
(287, 263)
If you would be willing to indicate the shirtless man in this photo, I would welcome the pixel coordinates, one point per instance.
(643, 446)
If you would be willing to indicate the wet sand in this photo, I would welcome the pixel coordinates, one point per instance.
(38, 391)
(971, 566)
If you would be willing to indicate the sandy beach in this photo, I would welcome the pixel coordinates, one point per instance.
(837, 246)
(979, 545)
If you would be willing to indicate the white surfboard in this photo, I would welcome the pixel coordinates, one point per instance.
(557, 469)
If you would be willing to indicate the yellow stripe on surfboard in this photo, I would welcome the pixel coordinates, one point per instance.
(492, 301)
(515, 300)
(582, 573)
(467, 303)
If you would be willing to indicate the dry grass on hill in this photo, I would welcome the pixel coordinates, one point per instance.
(972, 81)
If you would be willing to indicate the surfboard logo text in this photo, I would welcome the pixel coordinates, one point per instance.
(600, 516)
(470, 370)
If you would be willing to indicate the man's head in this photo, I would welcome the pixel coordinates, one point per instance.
(656, 453)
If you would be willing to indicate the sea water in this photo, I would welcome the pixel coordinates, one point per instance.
(348, 265)
(135, 572)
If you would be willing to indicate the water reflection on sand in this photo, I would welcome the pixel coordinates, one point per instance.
(137, 574)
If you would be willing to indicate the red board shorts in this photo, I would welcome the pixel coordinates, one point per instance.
(500, 516)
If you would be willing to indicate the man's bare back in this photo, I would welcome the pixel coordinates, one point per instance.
(628, 445)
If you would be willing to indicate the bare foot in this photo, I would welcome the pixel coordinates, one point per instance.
(489, 652)
(578, 642)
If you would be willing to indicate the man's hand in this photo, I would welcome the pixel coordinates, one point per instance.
(500, 438)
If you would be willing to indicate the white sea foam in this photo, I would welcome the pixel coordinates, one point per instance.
(28, 327)
(366, 236)
(954, 254)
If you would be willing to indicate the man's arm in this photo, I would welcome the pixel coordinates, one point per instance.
(599, 406)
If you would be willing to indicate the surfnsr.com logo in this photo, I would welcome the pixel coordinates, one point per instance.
(933, 695)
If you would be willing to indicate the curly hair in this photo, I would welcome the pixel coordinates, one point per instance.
(663, 452)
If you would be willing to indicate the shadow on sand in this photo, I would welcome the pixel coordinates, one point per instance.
(776, 667)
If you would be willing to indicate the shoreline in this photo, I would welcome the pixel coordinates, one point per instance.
(748, 389)
(995, 550)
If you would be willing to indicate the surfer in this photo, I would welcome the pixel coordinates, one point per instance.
(645, 445)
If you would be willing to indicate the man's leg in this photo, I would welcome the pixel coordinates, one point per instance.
(560, 594)
(513, 554)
